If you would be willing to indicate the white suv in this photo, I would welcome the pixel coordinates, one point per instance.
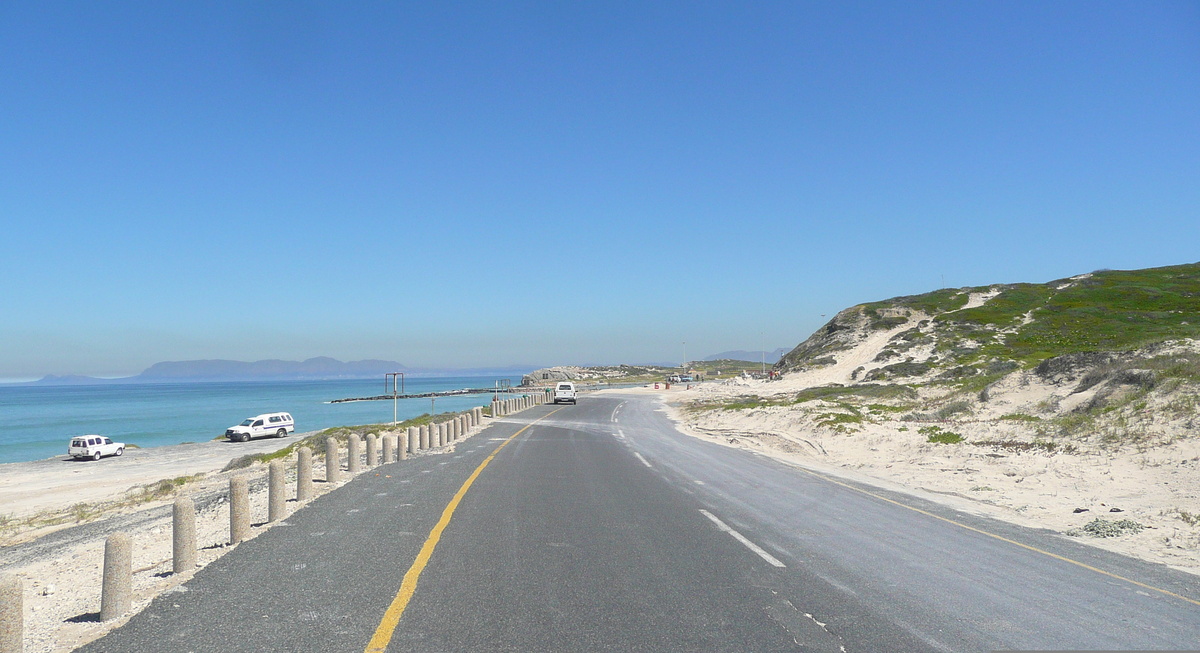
(276, 424)
(94, 446)
(564, 392)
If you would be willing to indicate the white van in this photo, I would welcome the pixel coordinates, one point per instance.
(94, 446)
(564, 392)
(276, 424)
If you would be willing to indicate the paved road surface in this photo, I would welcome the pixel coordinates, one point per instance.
(598, 527)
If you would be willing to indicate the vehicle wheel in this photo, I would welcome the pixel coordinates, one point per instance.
(245, 437)
(96, 456)
(280, 433)
(120, 451)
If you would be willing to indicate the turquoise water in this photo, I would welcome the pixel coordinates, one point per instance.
(37, 421)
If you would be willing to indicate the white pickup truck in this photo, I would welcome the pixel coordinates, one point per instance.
(83, 447)
(276, 424)
(564, 393)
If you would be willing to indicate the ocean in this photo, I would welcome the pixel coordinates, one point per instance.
(37, 421)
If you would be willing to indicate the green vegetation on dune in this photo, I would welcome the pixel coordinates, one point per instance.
(931, 303)
(877, 391)
(1107, 311)
(1022, 325)
(838, 394)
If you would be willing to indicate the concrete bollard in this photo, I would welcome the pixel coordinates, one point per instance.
(183, 535)
(424, 436)
(333, 461)
(388, 455)
(12, 614)
(373, 450)
(413, 440)
(239, 509)
(400, 448)
(116, 591)
(353, 453)
(304, 482)
(276, 502)
(441, 431)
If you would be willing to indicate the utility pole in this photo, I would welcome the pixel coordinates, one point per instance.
(762, 340)
(390, 378)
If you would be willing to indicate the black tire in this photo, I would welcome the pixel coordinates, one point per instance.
(120, 451)
(245, 437)
(280, 433)
(96, 456)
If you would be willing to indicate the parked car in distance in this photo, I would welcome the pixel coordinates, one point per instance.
(276, 424)
(94, 447)
(564, 393)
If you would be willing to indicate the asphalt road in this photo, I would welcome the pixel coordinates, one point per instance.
(598, 527)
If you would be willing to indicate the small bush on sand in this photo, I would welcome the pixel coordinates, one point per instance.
(1104, 528)
(937, 435)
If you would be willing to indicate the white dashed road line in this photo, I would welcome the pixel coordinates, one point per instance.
(742, 538)
(644, 461)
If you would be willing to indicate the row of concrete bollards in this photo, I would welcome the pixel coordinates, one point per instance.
(502, 407)
(116, 595)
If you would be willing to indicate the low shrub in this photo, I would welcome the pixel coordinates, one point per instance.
(937, 435)
(1104, 528)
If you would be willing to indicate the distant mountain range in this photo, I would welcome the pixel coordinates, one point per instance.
(753, 356)
(320, 368)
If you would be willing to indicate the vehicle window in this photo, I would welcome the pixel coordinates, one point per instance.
(564, 386)
(93, 441)
(258, 423)
(107, 441)
(275, 419)
(248, 422)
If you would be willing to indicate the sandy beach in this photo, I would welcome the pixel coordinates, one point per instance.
(60, 563)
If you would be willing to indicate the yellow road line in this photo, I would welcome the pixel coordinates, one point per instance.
(391, 617)
(999, 537)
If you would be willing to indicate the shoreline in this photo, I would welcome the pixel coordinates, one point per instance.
(38, 422)
(51, 484)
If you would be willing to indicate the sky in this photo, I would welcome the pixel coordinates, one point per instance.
(524, 183)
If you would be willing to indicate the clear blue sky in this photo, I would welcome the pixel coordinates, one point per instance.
(467, 184)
